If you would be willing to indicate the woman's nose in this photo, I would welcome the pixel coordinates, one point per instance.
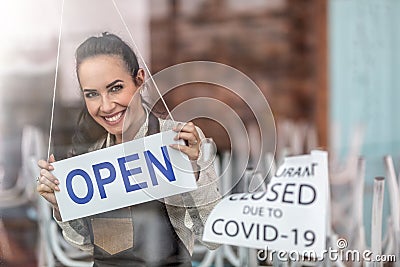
(107, 105)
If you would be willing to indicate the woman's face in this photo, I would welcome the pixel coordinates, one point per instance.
(108, 89)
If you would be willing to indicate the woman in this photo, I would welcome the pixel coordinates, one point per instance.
(156, 233)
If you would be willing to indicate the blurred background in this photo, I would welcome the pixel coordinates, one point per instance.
(327, 68)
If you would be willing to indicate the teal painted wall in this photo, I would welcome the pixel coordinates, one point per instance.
(364, 62)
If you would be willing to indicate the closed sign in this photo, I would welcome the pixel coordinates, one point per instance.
(291, 215)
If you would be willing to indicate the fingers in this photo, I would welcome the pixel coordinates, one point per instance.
(47, 182)
(46, 177)
(45, 165)
(52, 158)
(190, 137)
(187, 132)
(47, 193)
(186, 127)
(49, 179)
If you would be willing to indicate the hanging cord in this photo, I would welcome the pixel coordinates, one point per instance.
(186, 198)
(55, 82)
(56, 72)
(144, 63)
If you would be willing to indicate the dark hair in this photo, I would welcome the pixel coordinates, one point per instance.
(88, 131)
(107, 44)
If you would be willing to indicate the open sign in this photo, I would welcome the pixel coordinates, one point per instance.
(122, 175)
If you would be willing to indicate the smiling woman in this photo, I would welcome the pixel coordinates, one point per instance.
(109, 76)
(108, 89)
(149, 234)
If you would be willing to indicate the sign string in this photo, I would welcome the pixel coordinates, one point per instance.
(142, 59)
(55, 82)
(186, 198)
(57, 63)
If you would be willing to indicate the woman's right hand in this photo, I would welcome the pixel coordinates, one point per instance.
(47, 184)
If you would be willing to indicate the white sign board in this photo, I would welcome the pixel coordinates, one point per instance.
(122, 175)
(289, 216)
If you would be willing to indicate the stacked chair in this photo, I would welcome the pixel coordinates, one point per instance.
(52, 249)
(24, 190)
(347, 178)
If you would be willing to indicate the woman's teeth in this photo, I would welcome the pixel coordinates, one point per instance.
(113, 118)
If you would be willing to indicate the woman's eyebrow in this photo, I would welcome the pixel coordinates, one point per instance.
(112, 83)
(89, 90)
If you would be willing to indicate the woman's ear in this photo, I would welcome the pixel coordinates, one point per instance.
(139, 79)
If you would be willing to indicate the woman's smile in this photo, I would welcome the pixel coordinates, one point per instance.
(114, 118)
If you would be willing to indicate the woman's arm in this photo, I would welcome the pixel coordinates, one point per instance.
(76, 232)
(200, 202)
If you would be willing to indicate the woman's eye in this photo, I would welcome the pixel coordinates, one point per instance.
(90, 95)
(116, 88)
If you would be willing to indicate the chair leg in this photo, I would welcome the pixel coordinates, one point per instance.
(376, 224)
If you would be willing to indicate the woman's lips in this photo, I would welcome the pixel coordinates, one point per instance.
(114, 118)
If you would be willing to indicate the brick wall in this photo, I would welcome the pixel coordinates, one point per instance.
(277, 44)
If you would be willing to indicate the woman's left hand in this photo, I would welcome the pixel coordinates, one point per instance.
(189, 134)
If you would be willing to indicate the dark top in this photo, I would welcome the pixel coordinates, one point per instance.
(140, 235)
